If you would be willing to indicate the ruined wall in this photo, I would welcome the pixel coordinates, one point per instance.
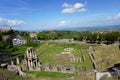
(58, 68)
(33, 64)
(31, 60)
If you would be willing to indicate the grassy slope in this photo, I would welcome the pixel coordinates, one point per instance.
(8, 75)
(106, 55)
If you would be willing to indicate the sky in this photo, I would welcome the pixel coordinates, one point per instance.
(53, 14)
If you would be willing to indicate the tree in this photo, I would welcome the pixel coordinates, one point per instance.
(0, 36)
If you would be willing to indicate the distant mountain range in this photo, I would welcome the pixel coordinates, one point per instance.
(94, 28)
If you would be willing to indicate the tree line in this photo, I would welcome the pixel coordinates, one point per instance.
(91, 37)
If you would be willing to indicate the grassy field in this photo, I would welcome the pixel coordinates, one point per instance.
(60, 76)
(106, 55)
(48, 52)
(51, 75)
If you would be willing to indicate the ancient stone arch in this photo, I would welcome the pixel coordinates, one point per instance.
(31, 60)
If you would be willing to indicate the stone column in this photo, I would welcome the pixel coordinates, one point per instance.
(30, 54)
(28, 64)
(47, 67)
(35, 55)
(31, 64)
(17, 60)
(12, 62)
(63, 69)
(55, 68)
(38, 66)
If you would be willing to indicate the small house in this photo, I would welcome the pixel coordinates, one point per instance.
(19, 41)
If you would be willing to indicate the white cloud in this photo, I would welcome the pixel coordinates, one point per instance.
(66, 5)
(117, 16)
(10, 23)
(78, 5)
(71, 8)
(63, 23)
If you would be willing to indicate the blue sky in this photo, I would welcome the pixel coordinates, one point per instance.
(49, 14)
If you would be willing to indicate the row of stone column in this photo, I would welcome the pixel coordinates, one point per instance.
(32, 64)
(31, 55)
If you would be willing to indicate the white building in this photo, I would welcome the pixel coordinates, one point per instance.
(19, 41)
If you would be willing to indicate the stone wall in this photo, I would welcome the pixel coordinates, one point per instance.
(32, 63)
(58, 68)
(16, 69)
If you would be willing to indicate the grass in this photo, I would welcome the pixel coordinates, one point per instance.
(83, 76)
(8, 75)
(106, 55)
(21, 50)
(5, 74)
(50, 74)
(48, 52)
(113, 78)
(60, 76)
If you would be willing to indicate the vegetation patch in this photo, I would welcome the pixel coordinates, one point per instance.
(49, 51)
(50, 74)
(106, 55)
